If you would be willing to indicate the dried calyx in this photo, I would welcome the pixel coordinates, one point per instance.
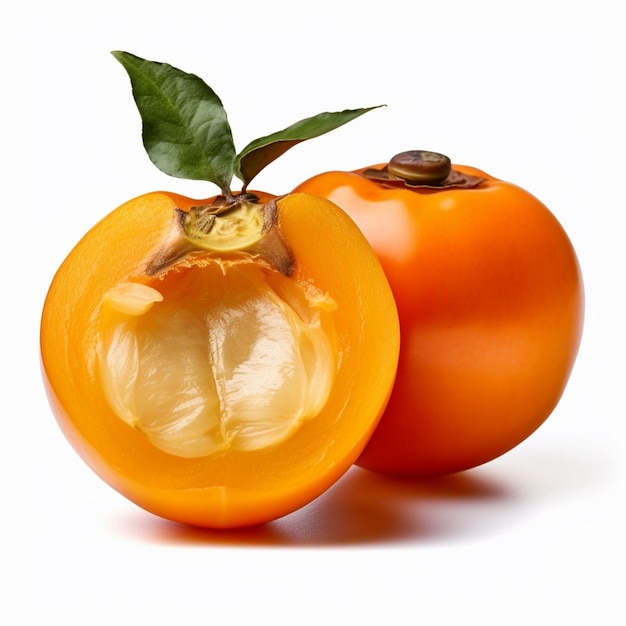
(421, 169)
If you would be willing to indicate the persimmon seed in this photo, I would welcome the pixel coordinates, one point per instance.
(133, 298)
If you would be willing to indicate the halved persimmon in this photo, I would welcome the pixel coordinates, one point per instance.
(218, 390)
(218, 362)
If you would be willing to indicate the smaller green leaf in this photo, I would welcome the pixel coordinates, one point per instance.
(185, 129)
(261, 152)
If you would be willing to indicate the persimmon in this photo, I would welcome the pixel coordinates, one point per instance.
(491, 302)
(218, 361)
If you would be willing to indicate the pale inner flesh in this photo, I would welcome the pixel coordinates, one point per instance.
(217, 355)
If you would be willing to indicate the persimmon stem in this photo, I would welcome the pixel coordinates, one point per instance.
(228, 194)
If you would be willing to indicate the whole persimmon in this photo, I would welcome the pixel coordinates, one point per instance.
(218, 361)
(491, 304)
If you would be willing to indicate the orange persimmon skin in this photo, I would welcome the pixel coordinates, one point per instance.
(236, 488)
(490, 297)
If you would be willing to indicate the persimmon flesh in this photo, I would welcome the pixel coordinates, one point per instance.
(220, 386)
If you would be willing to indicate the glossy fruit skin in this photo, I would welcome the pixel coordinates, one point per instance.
(491, 304)
(242, 489)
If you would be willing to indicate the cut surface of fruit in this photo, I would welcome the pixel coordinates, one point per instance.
(219, 389)
(216, 353)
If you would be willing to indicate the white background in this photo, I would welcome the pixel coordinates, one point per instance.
(531, 92)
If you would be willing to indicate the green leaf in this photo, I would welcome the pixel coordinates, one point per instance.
(185, 129)
(261, 152)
